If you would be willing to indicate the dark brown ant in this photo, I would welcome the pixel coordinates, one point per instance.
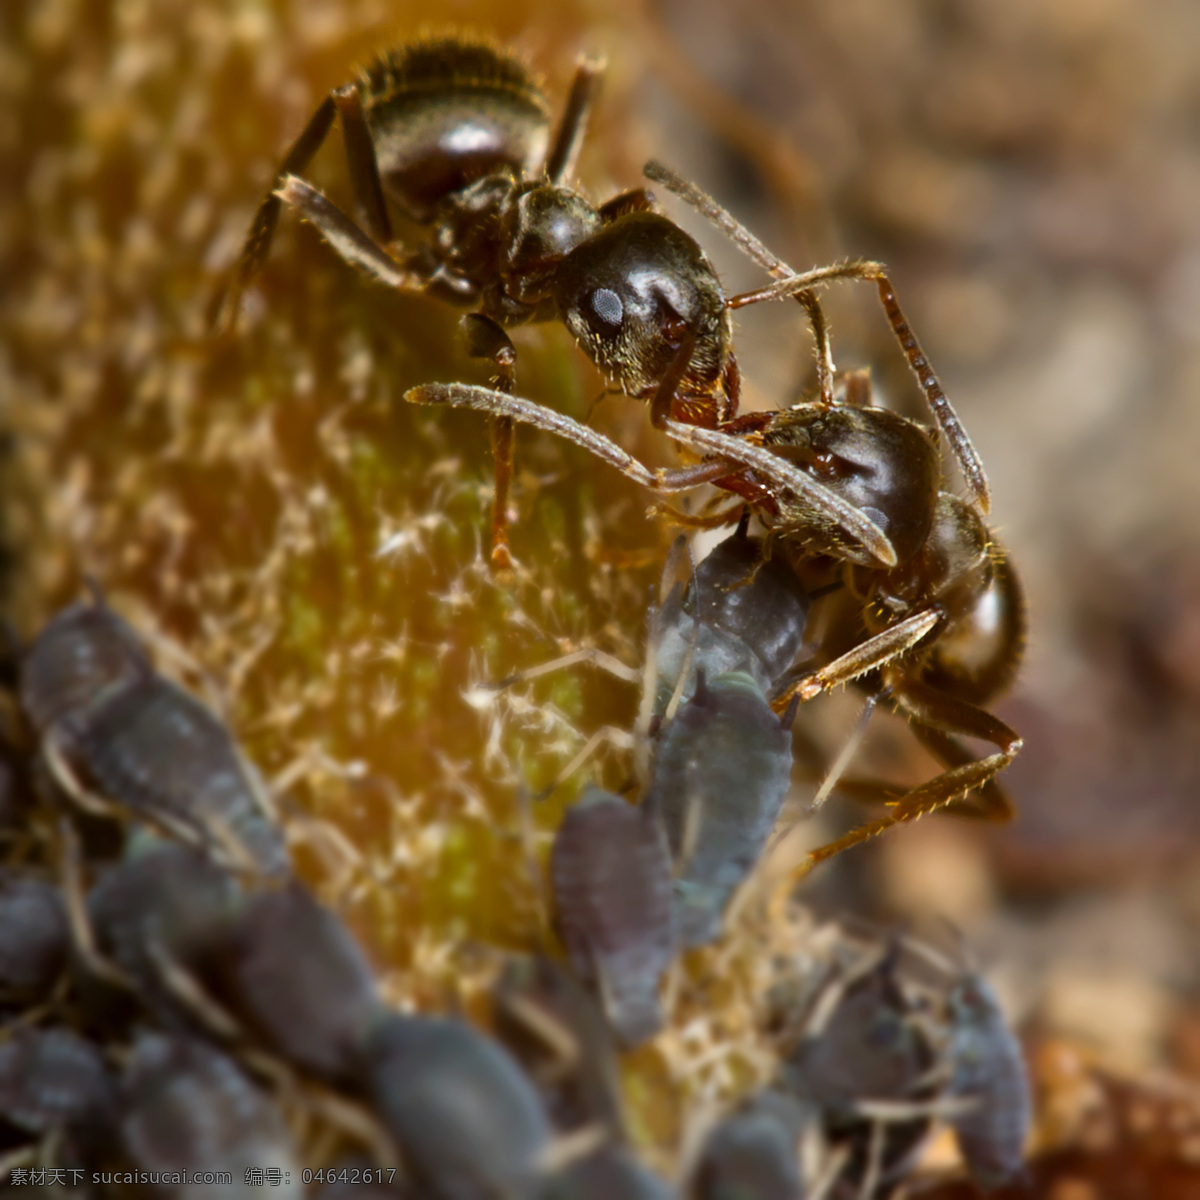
(454, 132)
(930, 617)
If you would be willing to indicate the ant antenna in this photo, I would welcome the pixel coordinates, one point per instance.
(793, 283)
(745, 241)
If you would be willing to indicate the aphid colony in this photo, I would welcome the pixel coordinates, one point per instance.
(172, 994)
(176, 1000)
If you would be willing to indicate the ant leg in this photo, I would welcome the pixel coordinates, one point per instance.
(716, 520)
(875, 652)
(990, 802)
(568, 137)
(353, 244)
(940, 712)
(224, 305)
(663, 401)
(361, 161)
(965, 454)
(485, 339)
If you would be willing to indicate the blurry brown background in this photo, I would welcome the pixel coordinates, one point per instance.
(1029, 170)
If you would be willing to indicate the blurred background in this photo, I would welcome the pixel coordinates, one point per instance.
(1030, 172)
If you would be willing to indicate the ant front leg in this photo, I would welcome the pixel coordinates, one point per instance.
(485, 339)
(870, 655)
(346, 103)
(351, 242)
(935, 711)
(965, 454)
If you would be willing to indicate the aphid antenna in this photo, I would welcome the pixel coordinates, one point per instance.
(846, 755)
(832, 1172)
(689, 656)
(567, 1148)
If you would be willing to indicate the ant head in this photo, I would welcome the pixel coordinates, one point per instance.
(630, 293)
(883, 464)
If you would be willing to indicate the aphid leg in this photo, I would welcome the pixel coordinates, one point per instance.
(867, 656)
(871, 1176)
(846, 755)
(485, 339)
(587, 654)
(224, 306)
(568, 137)
(351, 242)
(606, 735)
(362, 164)
(927, 706)
(83, 937)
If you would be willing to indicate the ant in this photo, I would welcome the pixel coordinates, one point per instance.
(454, 133)
(930, 609)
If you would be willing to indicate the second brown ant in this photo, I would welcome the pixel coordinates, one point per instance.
(928, 617)
(455, 134)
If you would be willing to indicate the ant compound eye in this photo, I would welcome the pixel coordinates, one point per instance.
(606, 304)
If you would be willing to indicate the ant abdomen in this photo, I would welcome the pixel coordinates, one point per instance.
(445, 113)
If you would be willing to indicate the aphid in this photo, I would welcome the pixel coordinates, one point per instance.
(720, 771)
(160, 916)
(738, 613)
(291, 969)
(558, 1033)
(866, 1063)
(986, 1065)
(53, 1079)
(466, 1119)
(186, 1108)
(34, 936)
(611, 878)
(754, 1154)
(606, 1174)
(114, 731)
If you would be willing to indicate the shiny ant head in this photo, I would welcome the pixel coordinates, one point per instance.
(885, 466)
(631, 293)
